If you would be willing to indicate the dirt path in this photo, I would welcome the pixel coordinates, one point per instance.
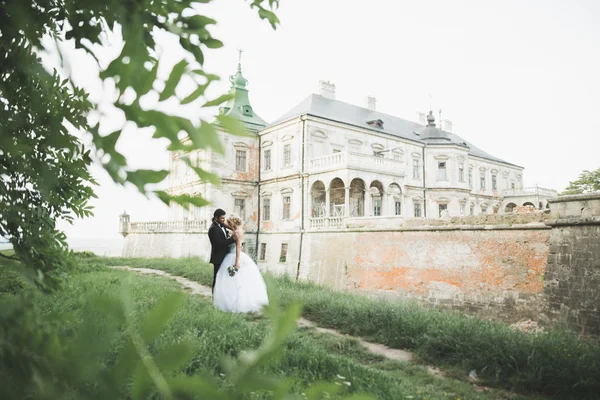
(376, 348)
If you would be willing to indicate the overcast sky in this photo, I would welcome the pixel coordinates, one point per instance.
(519, 79)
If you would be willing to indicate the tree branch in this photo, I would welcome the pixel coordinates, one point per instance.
(9, 257)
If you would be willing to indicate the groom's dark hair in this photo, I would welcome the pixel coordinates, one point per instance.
(218, 213)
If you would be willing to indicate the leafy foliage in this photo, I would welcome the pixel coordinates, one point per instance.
(124, 351)
(588, 181)
(43, 166)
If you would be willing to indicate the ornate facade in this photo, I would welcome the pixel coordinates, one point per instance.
(326, 163)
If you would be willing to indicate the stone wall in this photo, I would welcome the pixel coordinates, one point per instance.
(167, 244)
(572, 281)
(540, 266)
(487, 270)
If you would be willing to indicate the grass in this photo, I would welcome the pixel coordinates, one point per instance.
(308, 356)
(556, 363)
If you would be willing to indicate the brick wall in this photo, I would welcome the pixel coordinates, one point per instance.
(491, 271)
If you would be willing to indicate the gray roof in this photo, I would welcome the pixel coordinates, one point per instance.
(339, 111)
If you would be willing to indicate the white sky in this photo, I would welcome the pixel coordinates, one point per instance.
(519, 79)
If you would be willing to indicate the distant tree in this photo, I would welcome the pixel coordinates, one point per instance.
(44, 168)
(588, 181)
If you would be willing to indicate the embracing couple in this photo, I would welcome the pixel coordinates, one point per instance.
(238, 285)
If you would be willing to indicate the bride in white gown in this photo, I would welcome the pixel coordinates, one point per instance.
(245, 291)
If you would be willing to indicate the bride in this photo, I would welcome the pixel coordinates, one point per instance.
(239, 287)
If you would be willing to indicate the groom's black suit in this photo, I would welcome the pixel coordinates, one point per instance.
(219, 243)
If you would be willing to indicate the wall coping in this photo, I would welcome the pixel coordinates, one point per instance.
(431, 228)
(574, 221)
(575, 197)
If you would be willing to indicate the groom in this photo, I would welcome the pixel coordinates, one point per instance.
(219, 241)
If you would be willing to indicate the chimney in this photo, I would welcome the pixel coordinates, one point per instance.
(327, 89)
(371, 103)
(448, 125)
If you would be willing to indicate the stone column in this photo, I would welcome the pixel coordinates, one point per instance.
(368, 203)
(391, 206)
(327, 203)
(347, 201)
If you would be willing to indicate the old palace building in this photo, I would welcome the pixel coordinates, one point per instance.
(326, 163)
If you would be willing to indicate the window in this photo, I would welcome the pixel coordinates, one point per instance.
(482, 180)
(378, 154)
(283, 255)
(240, 207)
(442, 176)
(472, 210)
(186, 212)
(417, 209)
(494, 182)
(398, 208)
(287, 200)
(267, 209)
(442, 208)
(397, 157)
(461, 172)
(267, 159)
(263, 252)
(462, 208)
(484, 209)
(287, 155)
(336, 151)
(471, 178)
(416, 169)
(240, 160)
(512, 185)
(377, 206)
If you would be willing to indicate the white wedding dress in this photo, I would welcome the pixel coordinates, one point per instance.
(244, 292)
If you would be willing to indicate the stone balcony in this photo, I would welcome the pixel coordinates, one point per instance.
(166, 227)
(360, 161)
(530, 191)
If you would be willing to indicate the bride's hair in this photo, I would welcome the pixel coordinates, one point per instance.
(234, 221)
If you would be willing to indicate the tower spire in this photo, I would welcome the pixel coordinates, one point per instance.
(239, 105)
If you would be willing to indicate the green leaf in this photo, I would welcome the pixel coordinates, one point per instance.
(212, 43)
(108, 142)
(206, 136)
(163, 196)
(142, 383)
(318, 391)
(174, 356)
(233, 125)
(205, 176)
(195, 94)
(209, 77)
(110, 307)
(146, 83)
(219, 100)
(142, 177)
(173, 81)
(195, 388)
(200, 21)
(160, 315)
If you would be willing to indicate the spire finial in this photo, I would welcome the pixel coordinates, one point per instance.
(240, 51)
(430, 119)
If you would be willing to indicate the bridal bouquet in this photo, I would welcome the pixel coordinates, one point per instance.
(232, 270)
